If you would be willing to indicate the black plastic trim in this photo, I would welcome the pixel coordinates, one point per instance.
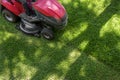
(53, 22)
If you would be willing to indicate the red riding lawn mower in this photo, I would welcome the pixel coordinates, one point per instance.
(50, 15)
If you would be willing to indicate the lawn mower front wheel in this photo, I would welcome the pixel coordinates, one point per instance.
(47, 34)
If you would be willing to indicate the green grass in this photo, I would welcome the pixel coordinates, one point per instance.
(87, 49)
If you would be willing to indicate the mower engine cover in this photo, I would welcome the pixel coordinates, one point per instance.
(50, 8)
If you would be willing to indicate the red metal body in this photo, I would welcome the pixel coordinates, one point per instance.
(50, 8)
(13, 6)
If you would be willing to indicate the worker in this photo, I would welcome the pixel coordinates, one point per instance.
(28, 14)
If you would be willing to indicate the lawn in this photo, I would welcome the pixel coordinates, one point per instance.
(87, 49)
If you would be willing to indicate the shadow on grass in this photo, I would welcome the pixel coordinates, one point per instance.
(47, 62)
(98, 46)
(10, 51)
(91, 34)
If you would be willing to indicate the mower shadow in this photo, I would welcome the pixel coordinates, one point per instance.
(46, 57)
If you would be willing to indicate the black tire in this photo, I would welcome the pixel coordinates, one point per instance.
(9, 16)
(47, 34)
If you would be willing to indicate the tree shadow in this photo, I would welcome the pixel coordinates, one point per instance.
(91, 34)
(96, 43)
(10, 51)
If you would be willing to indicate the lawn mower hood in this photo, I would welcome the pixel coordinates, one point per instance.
(52, 12)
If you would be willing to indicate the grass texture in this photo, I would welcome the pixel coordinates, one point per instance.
(87, 49)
